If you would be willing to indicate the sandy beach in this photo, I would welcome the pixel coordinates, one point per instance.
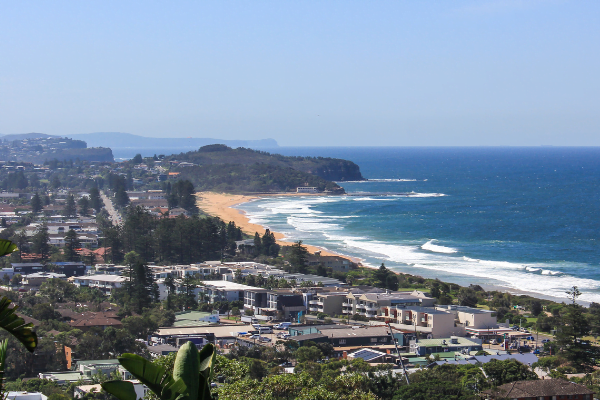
(220, 205)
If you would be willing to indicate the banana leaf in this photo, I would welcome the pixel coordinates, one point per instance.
(3, 348)
(16, 325)
(207, 357)
(7, 247)
(153, 376)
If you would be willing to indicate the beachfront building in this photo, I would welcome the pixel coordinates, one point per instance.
(307, 189)
(215, 291)
(370, 304)
(329, 303)
(425, 320)
(470, 317)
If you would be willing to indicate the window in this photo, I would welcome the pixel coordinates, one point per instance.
(373, 340)
(342, 341)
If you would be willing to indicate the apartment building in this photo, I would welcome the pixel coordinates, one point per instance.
(470, 317)
(426, 320)
(106, 283)
(369, 304)
(329, 303)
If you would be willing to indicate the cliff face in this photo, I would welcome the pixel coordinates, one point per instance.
(337, 170)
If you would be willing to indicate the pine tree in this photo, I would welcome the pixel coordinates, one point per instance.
(121, 198)
(70, 209)
(40, 243)
(298, 257)
(84, 206)
(95, 199)
(36, 203)
(72, 243)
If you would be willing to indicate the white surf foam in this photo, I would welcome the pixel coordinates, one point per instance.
(437, 248)
(382, 180)
(298, 219)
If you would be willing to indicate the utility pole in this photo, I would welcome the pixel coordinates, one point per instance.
(399, 355)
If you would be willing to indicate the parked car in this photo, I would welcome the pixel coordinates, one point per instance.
(265, 339)
(545, 340)
(530, 338)
(254, 337)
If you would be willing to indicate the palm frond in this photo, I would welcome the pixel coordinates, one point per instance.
(7, 247)
(16, 325)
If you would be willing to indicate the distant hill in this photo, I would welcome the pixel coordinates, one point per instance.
(119, 140)
(219, 167)
(40, 147)
(21, 136)
(332, 169)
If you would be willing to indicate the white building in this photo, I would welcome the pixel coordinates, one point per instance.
(428, 320)
(106, 283)
(307, 189)
(80, 391)
(25, 396)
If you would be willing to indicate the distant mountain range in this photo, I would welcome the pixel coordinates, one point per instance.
(116, 140)
(127, 145)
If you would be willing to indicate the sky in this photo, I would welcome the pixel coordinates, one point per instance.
(306, 73)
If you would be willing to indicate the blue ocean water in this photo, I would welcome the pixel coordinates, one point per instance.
(520, 218)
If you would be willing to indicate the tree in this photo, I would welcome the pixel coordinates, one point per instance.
(536, 307)
(84, 206)
(11, 322)
(40, 243)
(95, 199)
(70, 209)
(501, 372)
(141, 287)
(72, 244)
(308, 353)
(137, 159)
(36, 203)
(191, 377)
(121, 198)
(573, 326)
(467, 297)
(298, 257)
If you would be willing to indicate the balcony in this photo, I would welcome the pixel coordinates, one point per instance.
(362, 306)
(372, 309)
(346, 304)
(313, 309)
(313, 302)
(346, 311)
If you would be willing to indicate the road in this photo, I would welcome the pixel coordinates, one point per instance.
(115, 217)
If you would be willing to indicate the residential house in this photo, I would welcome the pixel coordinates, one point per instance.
(545, 389)
(337, 263)
(106, 283)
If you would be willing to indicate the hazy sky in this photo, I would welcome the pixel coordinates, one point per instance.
(305, 72)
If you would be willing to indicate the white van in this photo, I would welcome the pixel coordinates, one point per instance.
(283, 325)
(265, 329)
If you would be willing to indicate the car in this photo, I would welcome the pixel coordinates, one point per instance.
(530, 338)
(546, 341)
(254, 337)
(264, 339)
(286, 364)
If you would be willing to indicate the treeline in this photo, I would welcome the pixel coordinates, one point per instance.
(237, 178)
(180, 240)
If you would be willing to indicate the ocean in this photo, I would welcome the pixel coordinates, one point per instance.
(520, 218)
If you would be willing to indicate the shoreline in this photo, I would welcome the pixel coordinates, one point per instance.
(221, 205)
